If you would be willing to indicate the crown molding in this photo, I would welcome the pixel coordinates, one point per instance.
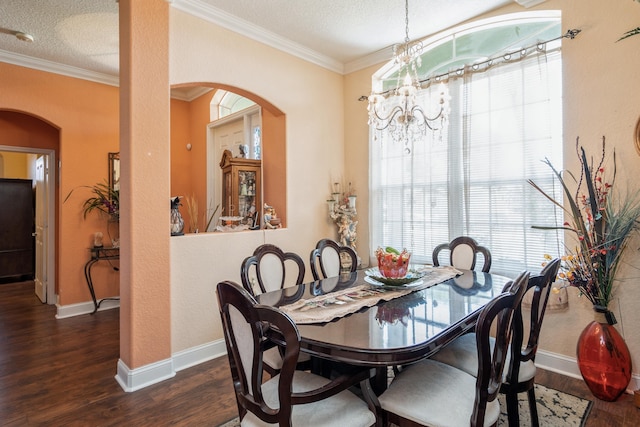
(219, 17)
(188, 94)
(375, 58)
(57, 68)
(529, 3)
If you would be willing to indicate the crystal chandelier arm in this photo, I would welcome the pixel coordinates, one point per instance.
(381, 122)
(418, 113)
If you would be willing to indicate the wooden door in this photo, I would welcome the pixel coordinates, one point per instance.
(16, 229)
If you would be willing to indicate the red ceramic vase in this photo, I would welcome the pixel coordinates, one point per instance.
(604, 361)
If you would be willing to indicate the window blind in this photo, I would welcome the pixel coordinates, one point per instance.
(471, 178)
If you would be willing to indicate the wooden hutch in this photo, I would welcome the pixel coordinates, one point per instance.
(241, 188)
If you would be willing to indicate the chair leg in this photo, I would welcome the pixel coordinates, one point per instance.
(512, 409)
(531, 395)
(372, 402)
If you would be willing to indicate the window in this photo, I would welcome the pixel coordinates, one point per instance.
(232, 103)
(471, 179)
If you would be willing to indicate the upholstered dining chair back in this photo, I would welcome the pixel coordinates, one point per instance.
(463, 252)
(244, 325)
(270, 269)
(418, 394)
(521, 369)
(329, 259)
(499, 313)
(248, 329)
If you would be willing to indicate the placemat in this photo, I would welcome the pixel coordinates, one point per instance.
(325, 308)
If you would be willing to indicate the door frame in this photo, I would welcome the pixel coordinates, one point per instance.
(50, 223)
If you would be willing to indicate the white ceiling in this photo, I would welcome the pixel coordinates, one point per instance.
(80, 37)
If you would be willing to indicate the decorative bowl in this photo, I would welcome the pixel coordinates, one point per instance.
(412, 278)
(393, 265)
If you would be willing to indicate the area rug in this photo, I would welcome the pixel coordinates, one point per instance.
(555, 409)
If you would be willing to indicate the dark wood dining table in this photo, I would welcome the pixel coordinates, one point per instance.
(395, 332)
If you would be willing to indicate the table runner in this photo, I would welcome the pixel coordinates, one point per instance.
(324, 308)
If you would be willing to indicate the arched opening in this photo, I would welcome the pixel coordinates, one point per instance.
(196, 154)
(36, 142)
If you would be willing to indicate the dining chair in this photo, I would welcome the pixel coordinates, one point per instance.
(329, 259)
(264, 271)
(433, 393)
(293, 397)
(520, 369)
(463, 252)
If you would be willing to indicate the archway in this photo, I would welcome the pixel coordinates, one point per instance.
(193, 162)
(24, 133)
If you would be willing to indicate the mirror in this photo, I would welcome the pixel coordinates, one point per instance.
(114, 171)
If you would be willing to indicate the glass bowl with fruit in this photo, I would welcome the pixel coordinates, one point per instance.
(392, 263)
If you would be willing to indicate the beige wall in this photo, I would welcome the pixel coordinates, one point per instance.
(600, 98)
(311, 99)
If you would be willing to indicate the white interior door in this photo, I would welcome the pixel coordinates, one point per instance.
(229, 136)
(41, 228)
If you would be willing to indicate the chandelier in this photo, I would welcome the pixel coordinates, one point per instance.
(397, 110)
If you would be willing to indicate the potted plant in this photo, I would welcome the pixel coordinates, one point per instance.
(602, 222)
(103, 198)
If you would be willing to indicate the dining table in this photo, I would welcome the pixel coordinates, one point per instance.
(355, 320)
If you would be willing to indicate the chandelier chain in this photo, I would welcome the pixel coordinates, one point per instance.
(406, 22)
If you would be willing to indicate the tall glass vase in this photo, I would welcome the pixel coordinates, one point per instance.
(604, 358)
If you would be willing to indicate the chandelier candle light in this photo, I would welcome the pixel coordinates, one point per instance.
(397, 109)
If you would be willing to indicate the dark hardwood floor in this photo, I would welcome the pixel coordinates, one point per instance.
(61, 373)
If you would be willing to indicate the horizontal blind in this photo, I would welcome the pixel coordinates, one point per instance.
(471, 179)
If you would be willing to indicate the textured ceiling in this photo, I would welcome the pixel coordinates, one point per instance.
(82, 35)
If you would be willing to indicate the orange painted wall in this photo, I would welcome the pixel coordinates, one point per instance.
(145, 153)
(86, 115)
(199, 118)
(181, 183)
(274, 160)
(189, 168)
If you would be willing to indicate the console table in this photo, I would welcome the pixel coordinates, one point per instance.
(100, 254)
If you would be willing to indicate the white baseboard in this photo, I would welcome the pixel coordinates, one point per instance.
(132, 380)
(135, 379)
(194, 356)
(568, 366)
(71, 310)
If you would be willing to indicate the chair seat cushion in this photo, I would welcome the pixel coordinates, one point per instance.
(462, 353)
(435, 394)
(273, 358)
(343, 409)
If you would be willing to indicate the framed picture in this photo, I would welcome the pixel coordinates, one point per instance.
(114, 171)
